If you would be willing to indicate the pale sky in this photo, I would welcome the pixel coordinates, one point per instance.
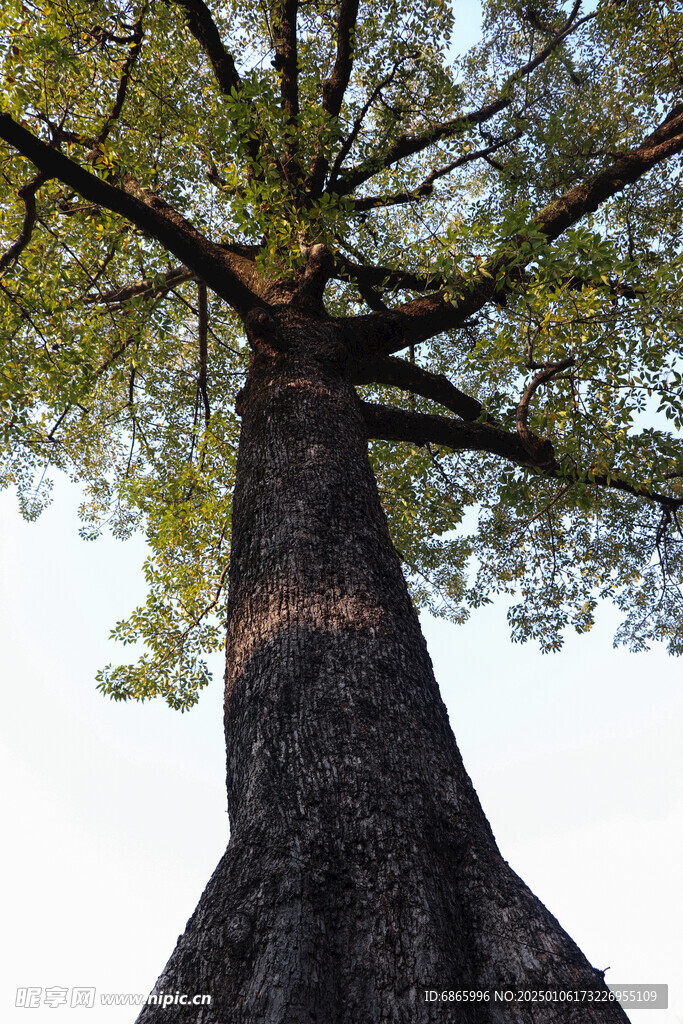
(115, 813)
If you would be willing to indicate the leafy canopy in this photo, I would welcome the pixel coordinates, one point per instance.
(509, 217)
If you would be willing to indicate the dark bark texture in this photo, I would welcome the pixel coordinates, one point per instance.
(361, 869)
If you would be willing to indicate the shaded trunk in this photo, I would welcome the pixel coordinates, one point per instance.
(361, 869)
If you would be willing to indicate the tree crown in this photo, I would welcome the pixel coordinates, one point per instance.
(508, 218)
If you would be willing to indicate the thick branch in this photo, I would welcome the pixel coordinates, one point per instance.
(390, 424)
(284, 15)
(665, 141)
(203, 28)
(284, 36)
(230, 276)
(407, 145)
(385, 277)
(318, 270)
(380, 334)
(400, 374)
(368, 293)
(335, 87)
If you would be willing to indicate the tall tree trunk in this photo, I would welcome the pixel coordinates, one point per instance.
(361, 869)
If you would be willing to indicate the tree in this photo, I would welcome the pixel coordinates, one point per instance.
(328, 179)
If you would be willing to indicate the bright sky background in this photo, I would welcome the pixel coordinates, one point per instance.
(115, 814)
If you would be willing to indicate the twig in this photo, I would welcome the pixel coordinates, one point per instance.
(527, 437)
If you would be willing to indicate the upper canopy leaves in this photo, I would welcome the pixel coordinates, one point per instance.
(512, 213)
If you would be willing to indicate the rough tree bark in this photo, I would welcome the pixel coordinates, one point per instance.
(361, 869)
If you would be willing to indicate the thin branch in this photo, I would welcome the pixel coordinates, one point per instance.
(135, 44)
(370, 279)
(94, 143)
(559, 495)
(426, 187)
(202, 330)
(209, 607)
(469, 495)
(27, 192)
(94, 280)
(348, 142)
(132, 447)
(131, 384)
(528, 438)
(150, 287)
(174, 294)
(24, 314)
(180, 639)
(111, 359)
(78, 261)
(61, 134)
(407, 145)
(58, 423)
(160, 284)
(553, 573)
